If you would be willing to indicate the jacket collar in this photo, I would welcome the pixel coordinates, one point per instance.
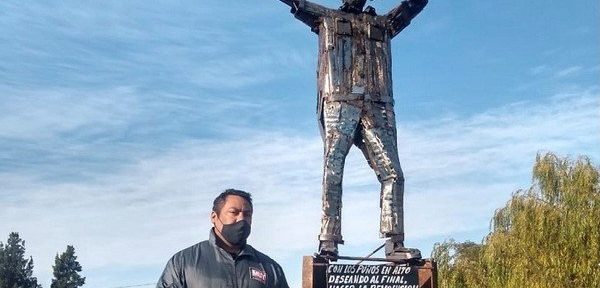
(247, 250)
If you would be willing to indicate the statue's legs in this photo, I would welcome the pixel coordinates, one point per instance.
(340, 125)
(378, 142)
(379, 145)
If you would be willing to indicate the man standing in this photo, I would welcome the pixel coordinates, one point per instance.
(225, 260)
(356, 106)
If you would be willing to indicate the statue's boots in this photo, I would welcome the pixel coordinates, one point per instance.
(395, 250)
(328, 249)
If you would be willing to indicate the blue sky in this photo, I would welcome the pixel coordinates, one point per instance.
(121, 120)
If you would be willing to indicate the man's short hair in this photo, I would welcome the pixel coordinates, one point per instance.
(220, 200)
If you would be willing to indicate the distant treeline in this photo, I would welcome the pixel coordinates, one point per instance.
(547, 236)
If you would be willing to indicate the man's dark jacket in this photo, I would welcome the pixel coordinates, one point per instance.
(206, 265)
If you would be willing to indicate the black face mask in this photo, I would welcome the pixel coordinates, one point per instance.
(236, 233)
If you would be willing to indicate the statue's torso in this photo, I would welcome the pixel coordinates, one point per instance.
(354, 57)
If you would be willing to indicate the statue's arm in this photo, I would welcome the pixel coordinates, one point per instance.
(306, 11)
(288, 2)
(400, 17)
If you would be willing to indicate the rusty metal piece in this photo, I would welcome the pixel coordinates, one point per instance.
(370, 254)
(428, 276)
(355, 102)
(313, 272)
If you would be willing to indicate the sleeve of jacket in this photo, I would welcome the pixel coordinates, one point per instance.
(281, 281)
(274, 270)
(172, 275)
(308, 12)
(400, 17)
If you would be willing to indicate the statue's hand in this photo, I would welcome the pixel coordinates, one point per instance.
(288, 2)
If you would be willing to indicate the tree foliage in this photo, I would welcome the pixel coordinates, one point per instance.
(66, 270)
(458, 264)
(545, 236)
(15, 270)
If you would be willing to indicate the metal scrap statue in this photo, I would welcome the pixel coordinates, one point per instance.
(356, 106)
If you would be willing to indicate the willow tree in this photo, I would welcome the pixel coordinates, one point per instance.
(459, 264)
(549, 234)
(546, 236)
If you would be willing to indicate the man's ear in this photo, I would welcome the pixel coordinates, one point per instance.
(213, 217)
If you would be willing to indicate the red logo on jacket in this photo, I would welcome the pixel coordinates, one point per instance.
(258, 275)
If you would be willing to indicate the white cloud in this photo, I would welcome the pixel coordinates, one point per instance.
(40, 115)
(207, 45)
(538, 69)
(231, 72)
(458, 171)
(569, 71)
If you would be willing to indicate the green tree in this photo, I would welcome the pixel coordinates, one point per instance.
(15, 270)
(66, 270)
(458, 264)
(549, 234)
(546, 236)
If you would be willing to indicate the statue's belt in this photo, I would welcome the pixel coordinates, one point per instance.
(358, 96)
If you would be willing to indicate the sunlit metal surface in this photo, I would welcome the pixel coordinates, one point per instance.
(355, 102)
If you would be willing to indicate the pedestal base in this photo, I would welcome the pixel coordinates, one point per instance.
(319, 273)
